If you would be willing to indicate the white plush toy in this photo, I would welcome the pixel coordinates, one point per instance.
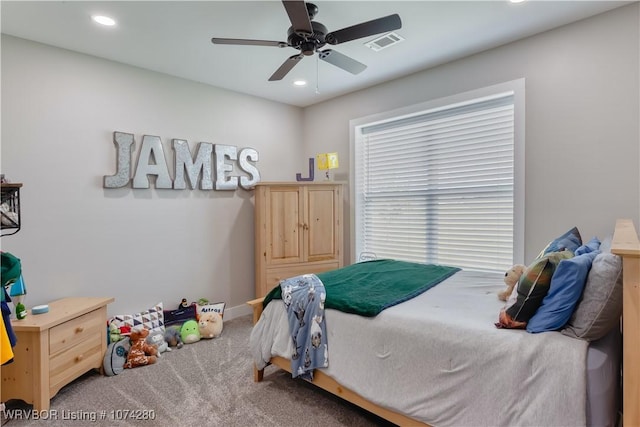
(156, 338)
(210, 324)
(511, 278)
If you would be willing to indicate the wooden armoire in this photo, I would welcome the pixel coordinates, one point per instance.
(298, 230)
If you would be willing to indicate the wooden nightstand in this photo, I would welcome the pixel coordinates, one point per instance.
(55, 348)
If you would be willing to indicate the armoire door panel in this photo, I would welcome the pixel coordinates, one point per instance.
(322, 221)
(284, 226)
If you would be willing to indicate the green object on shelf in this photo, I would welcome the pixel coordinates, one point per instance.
(21, 311)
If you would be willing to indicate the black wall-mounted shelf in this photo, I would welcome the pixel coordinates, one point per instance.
(10, 218)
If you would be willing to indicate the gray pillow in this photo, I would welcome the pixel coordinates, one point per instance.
(600, 307)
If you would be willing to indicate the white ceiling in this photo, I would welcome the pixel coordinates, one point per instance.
(173, 37)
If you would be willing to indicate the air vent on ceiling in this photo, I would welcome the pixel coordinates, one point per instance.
(384, 42)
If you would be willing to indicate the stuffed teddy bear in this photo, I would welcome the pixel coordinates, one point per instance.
(156, 338)
(210, 325)
(172, 337)
(141, 353)
(511, 278)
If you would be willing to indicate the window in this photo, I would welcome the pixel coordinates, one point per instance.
(442, 182)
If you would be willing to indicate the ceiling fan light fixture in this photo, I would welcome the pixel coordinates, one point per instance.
(104, 20)
(300, 83)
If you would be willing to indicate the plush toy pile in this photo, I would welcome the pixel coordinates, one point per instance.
(138, 339)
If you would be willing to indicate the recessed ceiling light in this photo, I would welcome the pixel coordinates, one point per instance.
(104, 20)
(517, 1)
(300, 83)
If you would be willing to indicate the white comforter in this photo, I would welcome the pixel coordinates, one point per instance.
(439, 358)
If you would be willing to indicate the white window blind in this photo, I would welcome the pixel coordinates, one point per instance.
(438, 186)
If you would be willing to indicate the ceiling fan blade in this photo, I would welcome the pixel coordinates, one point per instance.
(298, 15)
(217, 40)
(342, 61)
(365, 29)
(286, 67)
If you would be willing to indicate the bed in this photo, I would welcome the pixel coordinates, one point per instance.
(462, 370)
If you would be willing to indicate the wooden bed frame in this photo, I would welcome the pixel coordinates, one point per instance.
(625, 244)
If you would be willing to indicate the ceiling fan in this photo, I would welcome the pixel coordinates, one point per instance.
(309, 36)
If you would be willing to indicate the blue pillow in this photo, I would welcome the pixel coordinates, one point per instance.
(590, 246)
(565, 290)
(570, 240)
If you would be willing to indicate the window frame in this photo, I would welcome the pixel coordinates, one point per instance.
(517, 89)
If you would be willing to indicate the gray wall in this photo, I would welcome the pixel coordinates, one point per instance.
(582, 140)
(59, 111)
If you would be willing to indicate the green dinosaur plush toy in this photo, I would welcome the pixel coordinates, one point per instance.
(190, 332)
(114, 332)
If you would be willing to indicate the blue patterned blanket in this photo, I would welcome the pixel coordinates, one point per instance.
(304, 298)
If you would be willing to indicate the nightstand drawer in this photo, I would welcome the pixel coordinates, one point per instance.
(69, 364)
(71, 333)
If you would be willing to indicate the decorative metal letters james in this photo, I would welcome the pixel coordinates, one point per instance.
(152, 161)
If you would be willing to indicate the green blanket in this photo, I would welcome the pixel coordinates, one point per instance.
(367, 288)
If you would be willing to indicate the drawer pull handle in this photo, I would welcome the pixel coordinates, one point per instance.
(79, 358)
(79, 329)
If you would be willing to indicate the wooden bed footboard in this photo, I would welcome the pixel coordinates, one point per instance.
(625, 244)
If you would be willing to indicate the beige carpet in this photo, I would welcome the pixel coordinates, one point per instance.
(208, 383)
